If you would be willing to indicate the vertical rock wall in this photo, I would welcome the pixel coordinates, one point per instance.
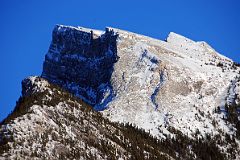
(81, 61)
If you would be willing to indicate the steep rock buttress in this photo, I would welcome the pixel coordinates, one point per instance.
(81, 61)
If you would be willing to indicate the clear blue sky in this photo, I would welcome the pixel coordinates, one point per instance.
(26, 26)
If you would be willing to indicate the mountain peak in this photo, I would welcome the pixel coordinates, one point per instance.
(176, 38)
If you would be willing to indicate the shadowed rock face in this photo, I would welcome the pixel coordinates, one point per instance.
(81, 61)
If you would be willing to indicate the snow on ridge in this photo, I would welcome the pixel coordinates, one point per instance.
(187, 45)
(61, 28)
(174, 41)
(176, 38)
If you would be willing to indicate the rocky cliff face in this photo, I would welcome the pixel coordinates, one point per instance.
(81, 61)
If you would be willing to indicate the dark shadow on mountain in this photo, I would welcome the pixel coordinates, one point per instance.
(82, 62)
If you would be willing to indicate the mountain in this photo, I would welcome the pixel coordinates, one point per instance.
(134, 96)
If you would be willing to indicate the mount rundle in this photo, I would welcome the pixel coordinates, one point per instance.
(115, 94)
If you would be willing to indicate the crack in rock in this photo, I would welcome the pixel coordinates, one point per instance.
(162, 81)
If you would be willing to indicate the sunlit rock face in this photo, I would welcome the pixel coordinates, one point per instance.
(81, 61)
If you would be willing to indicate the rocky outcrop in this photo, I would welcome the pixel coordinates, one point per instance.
(81, 61)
